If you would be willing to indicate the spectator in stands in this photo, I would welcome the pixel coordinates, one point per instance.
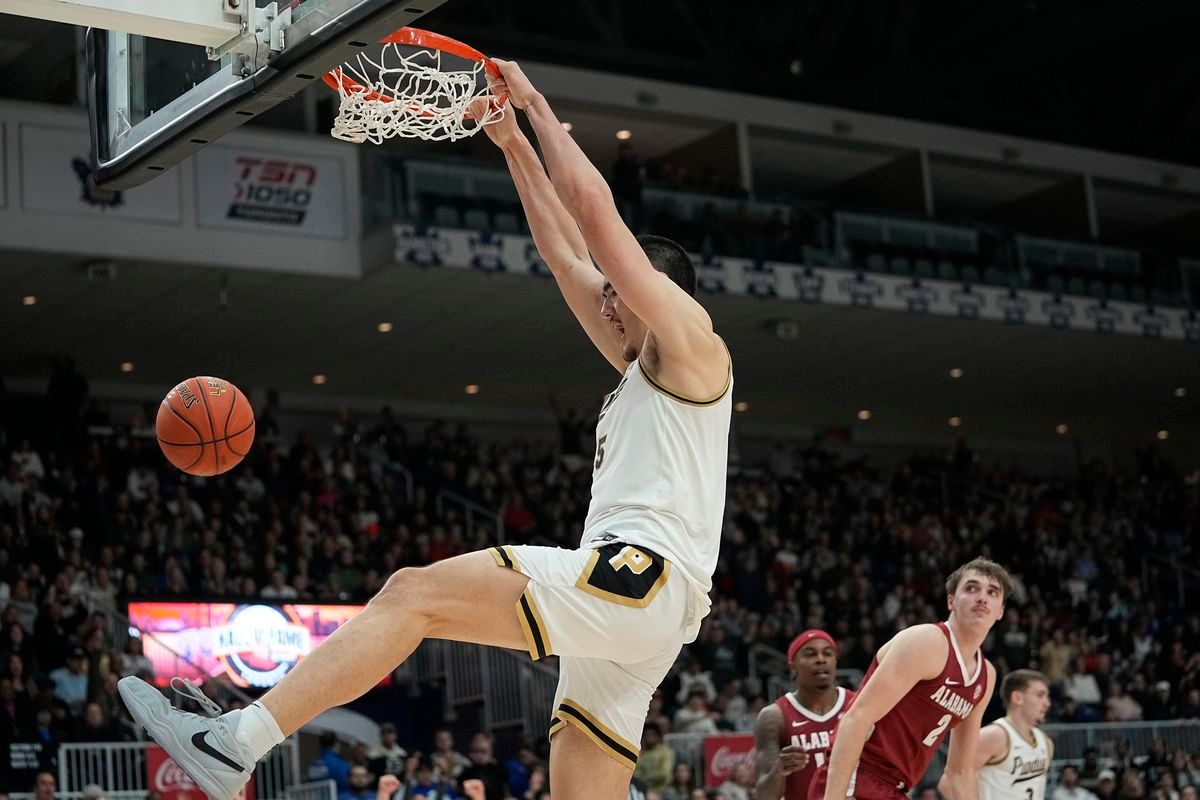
(484, 767)
(71, 681)
(1158, 705)
(519, 767)
(387, 756)
(278, 588)
(95, 726)
(656, 761)
(1055, 656)
(425, 785)
(134, 660)
(695, 716)
(537, 784)
(682, 783)
(329, 764)
(1069, 788)
(693, 675)
(1121, 707)
(45, 786)
(1133, 786)
(1106, 785)
(740, 784)
(1082, 687)
(359, 788)
(448, 762)
(93, 791)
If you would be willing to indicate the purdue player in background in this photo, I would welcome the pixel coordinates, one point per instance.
(792, 735)
(1013, 753)
(926, 681)
(618, 609)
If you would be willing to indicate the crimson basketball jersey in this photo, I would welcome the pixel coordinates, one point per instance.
(811, 731)
(904, 740)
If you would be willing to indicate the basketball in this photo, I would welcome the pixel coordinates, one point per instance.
(205, 426)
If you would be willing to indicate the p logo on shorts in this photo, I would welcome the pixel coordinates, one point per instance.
(624, 574)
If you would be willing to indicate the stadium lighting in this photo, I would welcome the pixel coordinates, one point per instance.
(954, 422)
(471, 388)
(741, 406)
(1061, 429)
(29, 300)
(126, 366)
(864, 415)
(1181, 392)
(956, 373)
(567, 127)
(624, 134)
(1163, 435)
(385, 327)
(319, 379)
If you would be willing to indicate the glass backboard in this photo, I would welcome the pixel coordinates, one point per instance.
(154, 102)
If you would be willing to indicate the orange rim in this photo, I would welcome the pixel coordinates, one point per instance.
(337, 78)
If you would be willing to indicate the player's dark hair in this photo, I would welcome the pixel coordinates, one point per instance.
(671, 259)
(1018, 681)
(986, 567)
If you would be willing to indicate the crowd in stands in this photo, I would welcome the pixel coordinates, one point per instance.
(812, 539)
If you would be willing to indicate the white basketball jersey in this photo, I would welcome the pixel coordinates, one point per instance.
(659, 475)
(1022, 773)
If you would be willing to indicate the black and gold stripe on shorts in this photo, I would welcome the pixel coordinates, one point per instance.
(570, 712)
(505, 557)
(531, 623)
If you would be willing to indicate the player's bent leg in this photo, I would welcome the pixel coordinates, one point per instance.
(580, 770)
(465, 598)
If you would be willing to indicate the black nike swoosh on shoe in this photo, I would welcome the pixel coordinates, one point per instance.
(201, 744)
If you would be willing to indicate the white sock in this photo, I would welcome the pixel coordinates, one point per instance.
(256, 729)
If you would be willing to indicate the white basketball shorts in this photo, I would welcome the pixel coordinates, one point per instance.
(616, 616)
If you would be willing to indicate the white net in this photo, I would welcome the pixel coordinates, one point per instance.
(410, 95)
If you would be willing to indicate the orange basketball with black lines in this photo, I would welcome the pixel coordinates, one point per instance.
(205, 426)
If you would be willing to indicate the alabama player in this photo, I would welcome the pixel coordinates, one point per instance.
(1013, 753)
(792, 735)
(926, 681)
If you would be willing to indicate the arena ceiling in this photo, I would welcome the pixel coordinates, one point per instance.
(513, 336)
(1113, 74)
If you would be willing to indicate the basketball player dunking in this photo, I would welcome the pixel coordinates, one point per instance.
(618, 609)
(928, 680)
(1014, 753)
(792, 735)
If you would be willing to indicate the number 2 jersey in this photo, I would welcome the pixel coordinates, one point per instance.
(659, 475)
(811, 731)
(903, 743)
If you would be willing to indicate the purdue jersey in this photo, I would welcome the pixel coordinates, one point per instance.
(1021, 775)
(658, 479)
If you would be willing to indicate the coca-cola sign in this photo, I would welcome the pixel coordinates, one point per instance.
(723, 753)
(168, 778)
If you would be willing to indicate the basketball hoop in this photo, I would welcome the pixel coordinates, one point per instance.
(421, 86)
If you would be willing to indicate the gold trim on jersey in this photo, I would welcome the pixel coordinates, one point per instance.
(1007, 747)
(687, 400)
(611, 597)
(532, 626)
(570, 712)
(506, 557)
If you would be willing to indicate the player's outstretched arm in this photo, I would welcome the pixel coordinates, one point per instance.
(960, 779)
(915, 654)
(556, 236)
(682, 329)
(774, 764)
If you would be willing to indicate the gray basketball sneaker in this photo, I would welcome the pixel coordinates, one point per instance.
(206, 748)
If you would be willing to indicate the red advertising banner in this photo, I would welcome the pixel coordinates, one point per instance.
(723, 753)
(164, 776)
(252, 644)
